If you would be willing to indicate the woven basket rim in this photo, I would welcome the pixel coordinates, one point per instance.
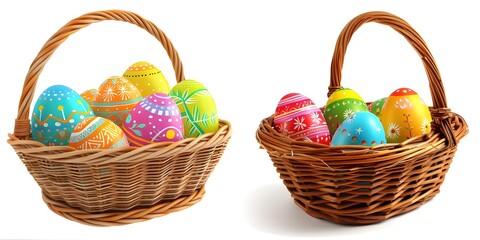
(117, 155)
(346, 155)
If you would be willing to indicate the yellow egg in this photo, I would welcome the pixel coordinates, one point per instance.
(405, 115)
(147, 78)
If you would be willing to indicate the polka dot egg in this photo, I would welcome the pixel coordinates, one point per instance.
(55, 113)
(342, 104)
(361, 128)
(154, 119)
(97, 133)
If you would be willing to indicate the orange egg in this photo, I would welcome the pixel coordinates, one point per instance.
(115, 98)
(405, 115)
(97, 133)
(89, 95)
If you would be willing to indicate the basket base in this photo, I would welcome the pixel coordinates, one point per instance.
(349, 218)
(106, 219)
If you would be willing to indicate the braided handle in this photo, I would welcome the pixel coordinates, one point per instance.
(441, 114)
(22, 122)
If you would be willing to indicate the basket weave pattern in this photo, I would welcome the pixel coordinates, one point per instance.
(115, 186)
(363, 185)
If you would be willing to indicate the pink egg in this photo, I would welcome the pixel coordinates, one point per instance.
(154, 119)
(300, 118)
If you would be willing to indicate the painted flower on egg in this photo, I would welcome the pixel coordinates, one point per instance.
(116, 96)
(362, 128)
(297, 117)
(342, 104)
(405, 115)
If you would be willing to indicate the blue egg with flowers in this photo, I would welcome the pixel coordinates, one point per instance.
(361, 128)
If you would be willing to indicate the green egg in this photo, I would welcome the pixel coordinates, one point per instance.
(197, 107)
(376, 106)
(342, 104)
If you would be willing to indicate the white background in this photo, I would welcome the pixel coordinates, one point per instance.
(248, 54)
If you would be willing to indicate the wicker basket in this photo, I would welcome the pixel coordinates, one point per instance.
(363, 185)
(115, 186)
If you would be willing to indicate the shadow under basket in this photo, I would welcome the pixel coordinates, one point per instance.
(358, 185)
(107, 187)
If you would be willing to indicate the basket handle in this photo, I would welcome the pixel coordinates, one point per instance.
(441, 114)
(22, 122)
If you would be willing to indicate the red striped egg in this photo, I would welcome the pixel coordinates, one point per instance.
(299, 118)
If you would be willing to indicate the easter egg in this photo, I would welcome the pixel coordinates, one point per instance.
(115, 98)
(299, 118)
(97, 133)
(147, 78)
(154, 119)
(405, 115)
(198, 109)
(376, 106)
(361, 128)
(340, 105)
(55, 113)
(89, 95)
